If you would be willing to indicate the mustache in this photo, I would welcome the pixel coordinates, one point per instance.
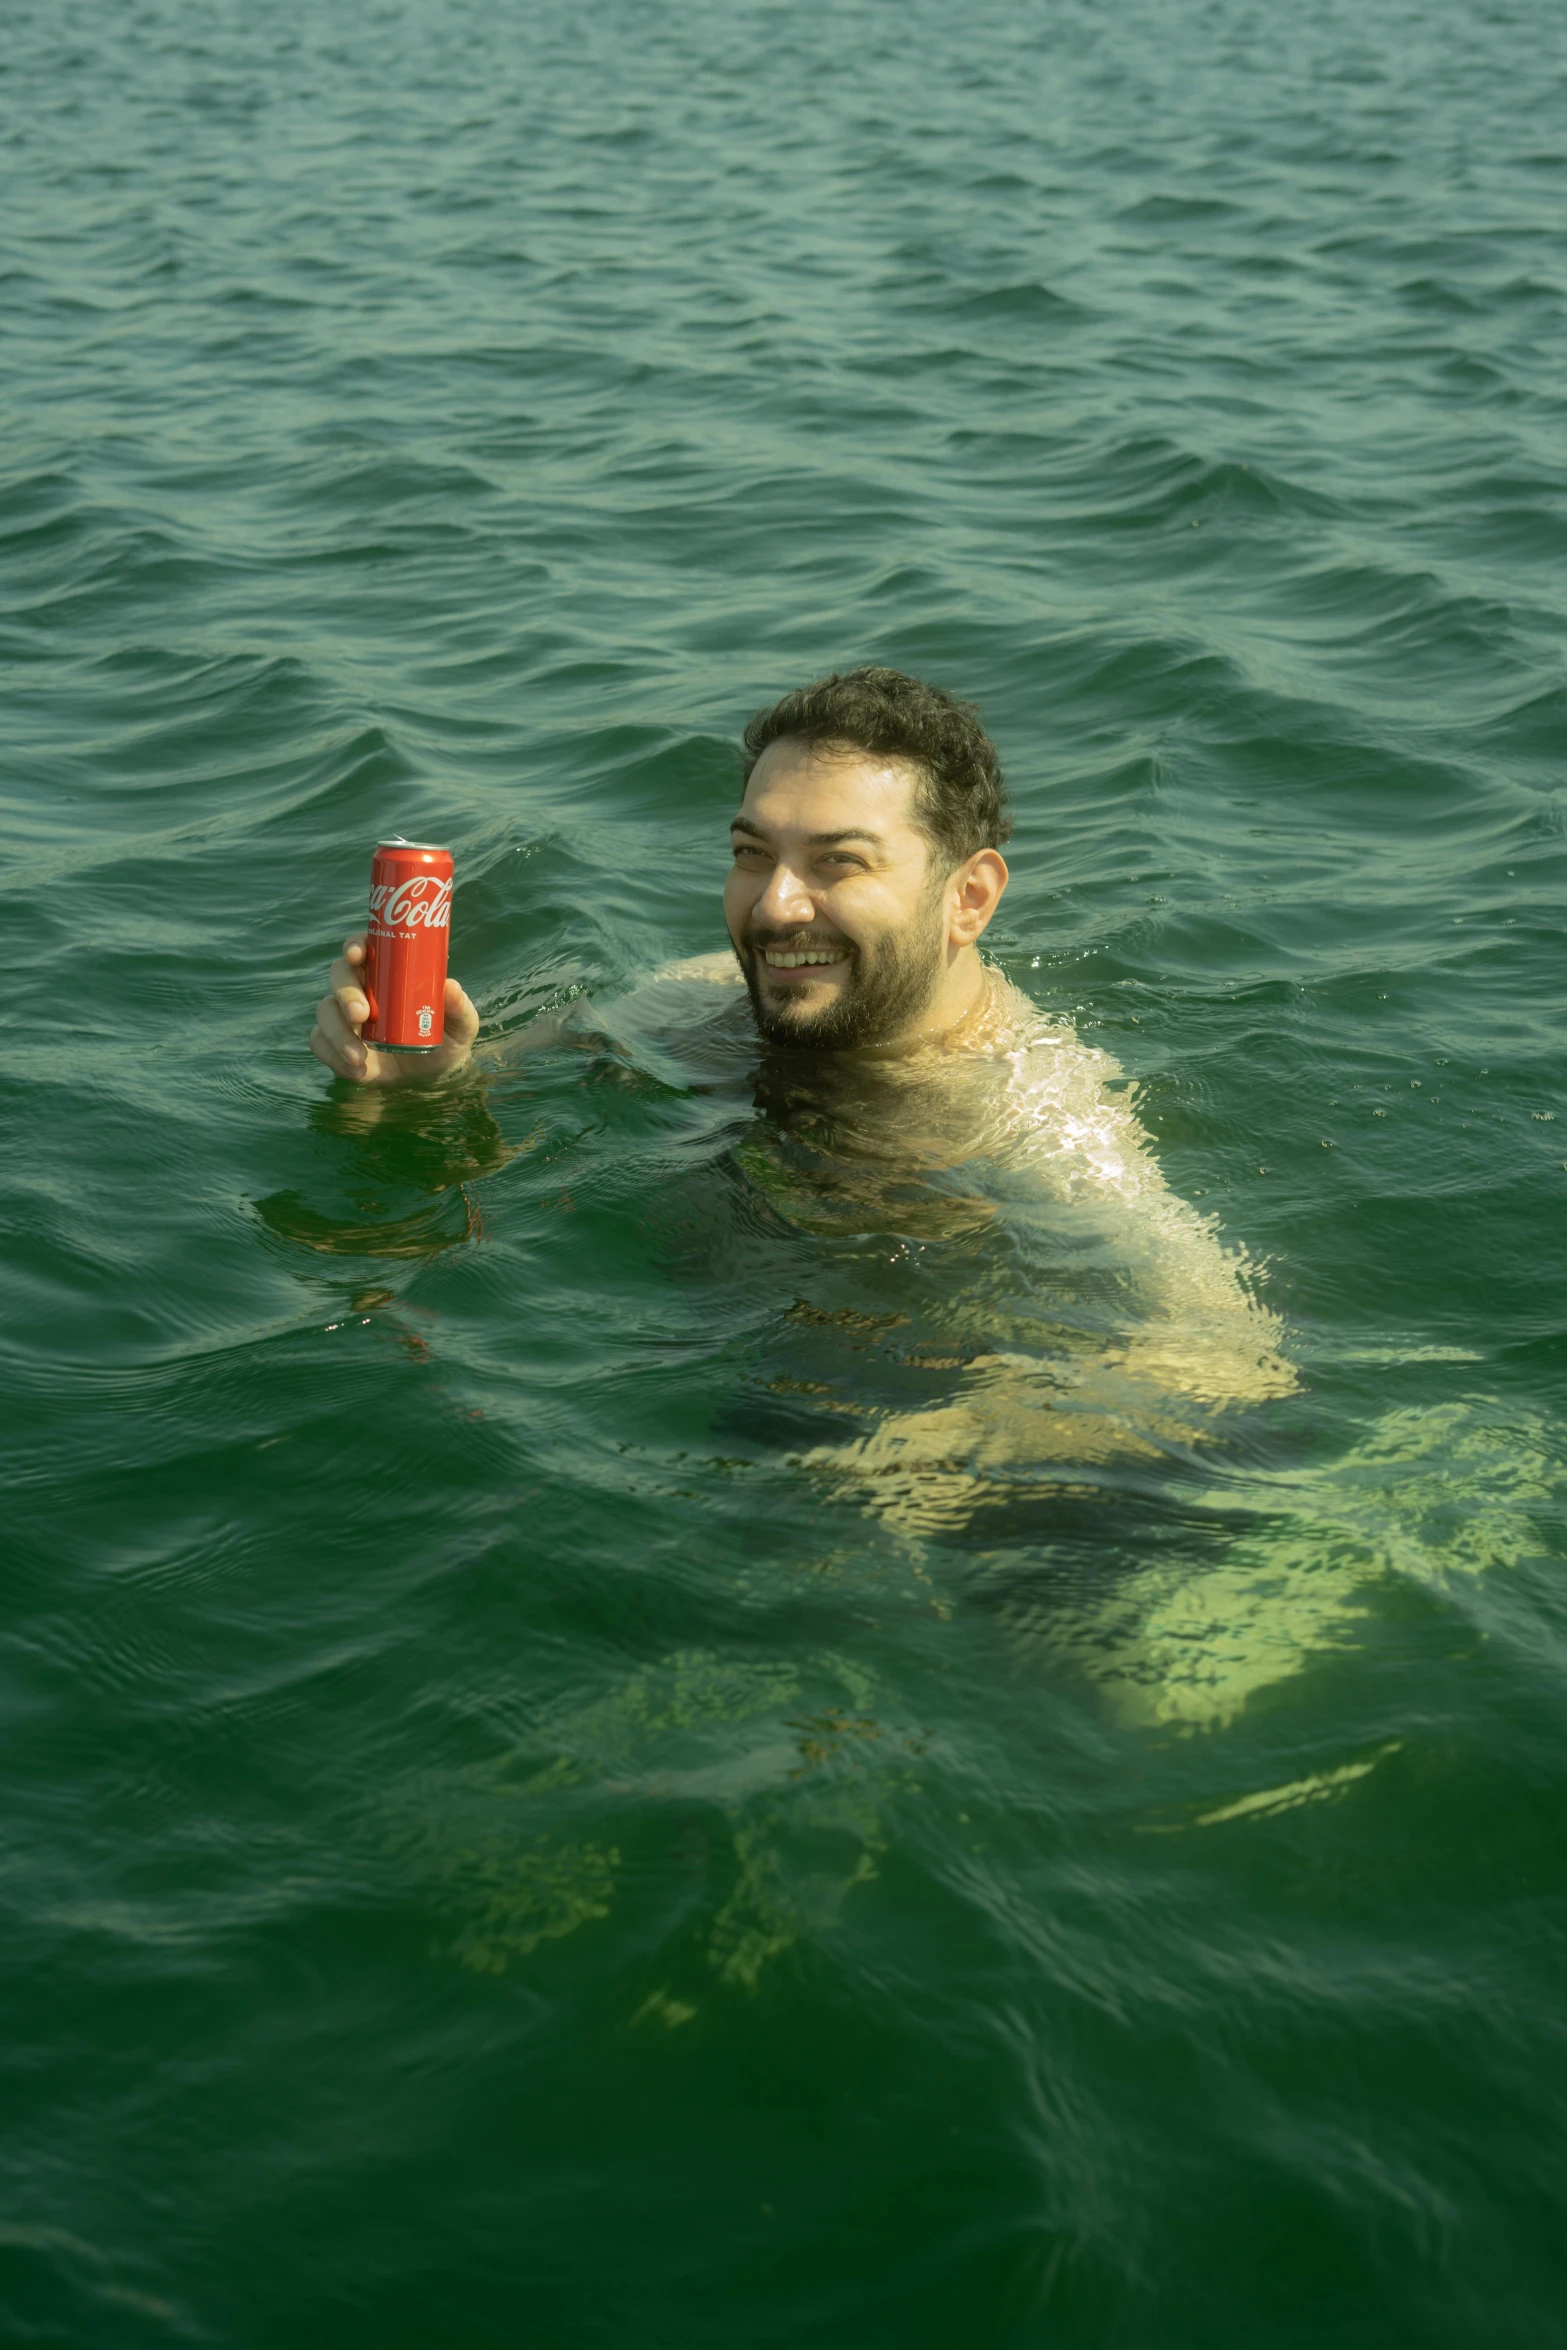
(796, 941)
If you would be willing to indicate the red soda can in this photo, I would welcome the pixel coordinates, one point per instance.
(405, 953)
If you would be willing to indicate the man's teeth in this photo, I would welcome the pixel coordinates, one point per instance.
(778, 959)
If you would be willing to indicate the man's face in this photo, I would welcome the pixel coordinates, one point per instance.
(834, 913)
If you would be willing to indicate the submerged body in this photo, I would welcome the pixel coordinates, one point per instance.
(1103, 1319)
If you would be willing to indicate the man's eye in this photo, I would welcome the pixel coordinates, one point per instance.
(852, 864)
(745, 848)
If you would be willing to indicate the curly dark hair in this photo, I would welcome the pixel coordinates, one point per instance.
(960, 798)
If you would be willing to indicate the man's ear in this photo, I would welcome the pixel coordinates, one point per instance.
(974, 893)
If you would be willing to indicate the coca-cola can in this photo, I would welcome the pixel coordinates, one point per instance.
(405, 953)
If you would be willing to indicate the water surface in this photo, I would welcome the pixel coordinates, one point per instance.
(512, 1829)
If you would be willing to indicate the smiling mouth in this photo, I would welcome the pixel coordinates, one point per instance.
(801, 958)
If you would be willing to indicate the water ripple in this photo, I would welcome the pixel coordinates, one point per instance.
(505, 1752)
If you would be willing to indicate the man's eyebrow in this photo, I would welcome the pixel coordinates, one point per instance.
(815, 840)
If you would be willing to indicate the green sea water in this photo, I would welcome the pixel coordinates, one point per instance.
(512, 1834)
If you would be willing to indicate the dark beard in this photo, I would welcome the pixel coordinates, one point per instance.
(871, 1006)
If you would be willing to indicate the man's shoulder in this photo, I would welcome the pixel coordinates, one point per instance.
(1009, 1026)
(677, 1022)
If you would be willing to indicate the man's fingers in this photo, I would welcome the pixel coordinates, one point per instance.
(333, 1020)
(337, 1034)
(351, 1063)
(348, 981)
(348, 987)
(462, 1021)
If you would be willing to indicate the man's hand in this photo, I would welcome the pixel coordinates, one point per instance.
(341, 1014)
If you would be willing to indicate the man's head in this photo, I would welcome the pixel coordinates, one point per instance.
(866, 861)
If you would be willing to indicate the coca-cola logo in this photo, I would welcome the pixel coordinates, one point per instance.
(419, 903)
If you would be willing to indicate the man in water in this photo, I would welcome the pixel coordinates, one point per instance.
(866, 866)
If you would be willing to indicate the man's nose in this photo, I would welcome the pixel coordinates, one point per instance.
(786, 898)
